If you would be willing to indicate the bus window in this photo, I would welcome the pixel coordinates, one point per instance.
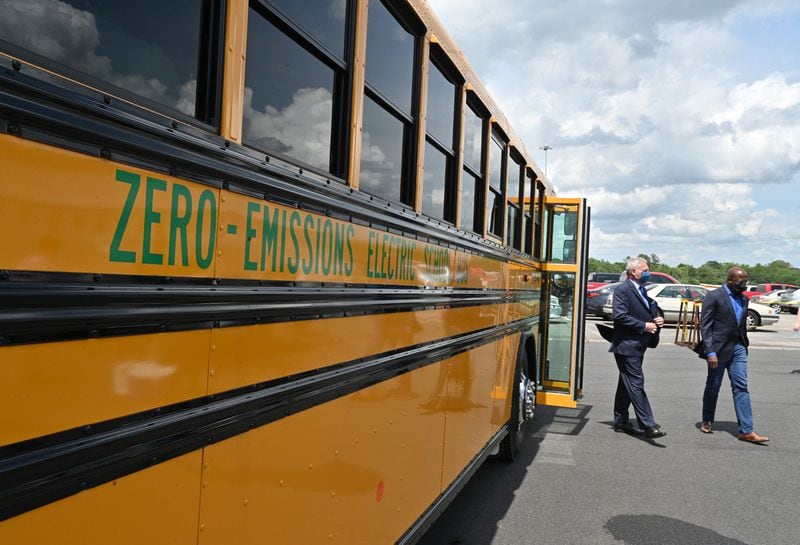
(388, 117)
(437, 187)
(290, 102)
(497, 164)
(472, 182)
(516, 176)
(528, 211)
(149, 50)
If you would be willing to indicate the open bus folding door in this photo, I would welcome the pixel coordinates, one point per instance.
(565, 242)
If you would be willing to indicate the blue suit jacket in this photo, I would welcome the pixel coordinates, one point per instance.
(719, 327)
(630, 316)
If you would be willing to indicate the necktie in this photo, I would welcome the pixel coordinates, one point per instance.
(643, 292)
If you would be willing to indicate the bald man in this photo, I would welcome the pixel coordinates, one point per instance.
(723, 323)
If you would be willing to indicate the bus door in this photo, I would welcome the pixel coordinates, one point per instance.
(565, 243)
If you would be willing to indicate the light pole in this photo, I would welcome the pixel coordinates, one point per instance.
(546, 148)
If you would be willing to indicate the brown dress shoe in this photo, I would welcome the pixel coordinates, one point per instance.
(705, 427)
(753, 437)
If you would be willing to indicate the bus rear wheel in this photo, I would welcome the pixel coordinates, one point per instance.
(523, 402)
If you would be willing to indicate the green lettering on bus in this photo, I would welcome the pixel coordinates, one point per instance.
(294, 264)
(206, 200)
(115, 254)
(370, 273)
(151, 217)
(308, 263)
(179, 223)
(249, 235)
(327, 246)
(269, 238)
(348, 268)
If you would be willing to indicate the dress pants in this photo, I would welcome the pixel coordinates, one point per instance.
(737, 372)
(630, 390)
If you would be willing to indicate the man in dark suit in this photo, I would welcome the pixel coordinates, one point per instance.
(723, 324)
(636, 322)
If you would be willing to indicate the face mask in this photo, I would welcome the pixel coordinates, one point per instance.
(738, 287)
(645, 276)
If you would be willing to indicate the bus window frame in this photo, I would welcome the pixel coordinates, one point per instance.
(473, 105)
(437, 60)
(342, 69)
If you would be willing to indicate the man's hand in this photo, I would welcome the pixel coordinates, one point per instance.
(659, 321)
(712, 361)
(651, 327)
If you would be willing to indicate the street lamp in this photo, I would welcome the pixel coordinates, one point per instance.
(546, 148)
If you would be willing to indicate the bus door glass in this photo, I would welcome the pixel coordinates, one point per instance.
(565, 241)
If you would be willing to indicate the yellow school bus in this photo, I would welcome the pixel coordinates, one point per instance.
(271, 272)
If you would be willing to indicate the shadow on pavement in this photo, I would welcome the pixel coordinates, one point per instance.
(473, 516)
(660, 530)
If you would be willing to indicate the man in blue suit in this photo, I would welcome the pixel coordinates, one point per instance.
(723, 324)
(636, 326)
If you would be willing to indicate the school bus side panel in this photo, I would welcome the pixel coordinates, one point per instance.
(47, 388)
(71, 212)
(357, 470)
(154, 506)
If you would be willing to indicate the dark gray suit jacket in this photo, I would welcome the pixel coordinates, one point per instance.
(719, 327)
(630, 316)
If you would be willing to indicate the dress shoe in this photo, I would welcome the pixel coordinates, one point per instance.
(655, 432)
(628, 428)
(705, 427)
(753, 437)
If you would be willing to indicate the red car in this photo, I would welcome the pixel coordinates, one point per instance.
(596, 280)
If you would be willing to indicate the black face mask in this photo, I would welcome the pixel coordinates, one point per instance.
(738, 287)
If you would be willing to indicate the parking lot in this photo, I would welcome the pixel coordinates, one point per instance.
(578, 482)
(778, 335)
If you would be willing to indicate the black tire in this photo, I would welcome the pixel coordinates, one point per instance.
(517, 423)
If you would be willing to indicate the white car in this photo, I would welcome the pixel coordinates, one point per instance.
(669, 297)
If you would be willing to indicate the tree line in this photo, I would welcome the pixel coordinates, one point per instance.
(710, 272)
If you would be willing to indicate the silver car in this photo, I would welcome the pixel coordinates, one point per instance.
(669, 297)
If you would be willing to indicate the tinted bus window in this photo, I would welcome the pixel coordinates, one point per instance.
(322, 19)
(288, 102)
(390, 57)
(150, 48)
(381, 152)
(434, 182)
(388, 120)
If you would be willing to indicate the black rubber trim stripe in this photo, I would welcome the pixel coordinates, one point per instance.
(39, 471)
(43, 112)
(47, 312)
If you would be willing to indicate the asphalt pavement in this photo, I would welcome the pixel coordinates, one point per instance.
(579, 482)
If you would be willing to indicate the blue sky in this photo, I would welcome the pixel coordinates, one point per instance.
(679, 120)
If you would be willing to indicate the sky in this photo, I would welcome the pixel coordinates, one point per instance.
(678, 120)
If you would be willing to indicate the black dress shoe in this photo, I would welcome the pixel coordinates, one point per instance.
(628, 428)
(655, 432)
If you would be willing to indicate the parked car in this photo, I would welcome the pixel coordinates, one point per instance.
(599, 279)
(771, 298)
(555, 307)
(669, 297)
(790, 301)
(655, 278)
(761, 289)
(596, 298)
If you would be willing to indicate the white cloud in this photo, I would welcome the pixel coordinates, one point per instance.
(68, 35)
(649, 115)
(302, 129)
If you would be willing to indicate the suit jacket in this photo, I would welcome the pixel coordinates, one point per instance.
(719, 327)
(630, 316)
